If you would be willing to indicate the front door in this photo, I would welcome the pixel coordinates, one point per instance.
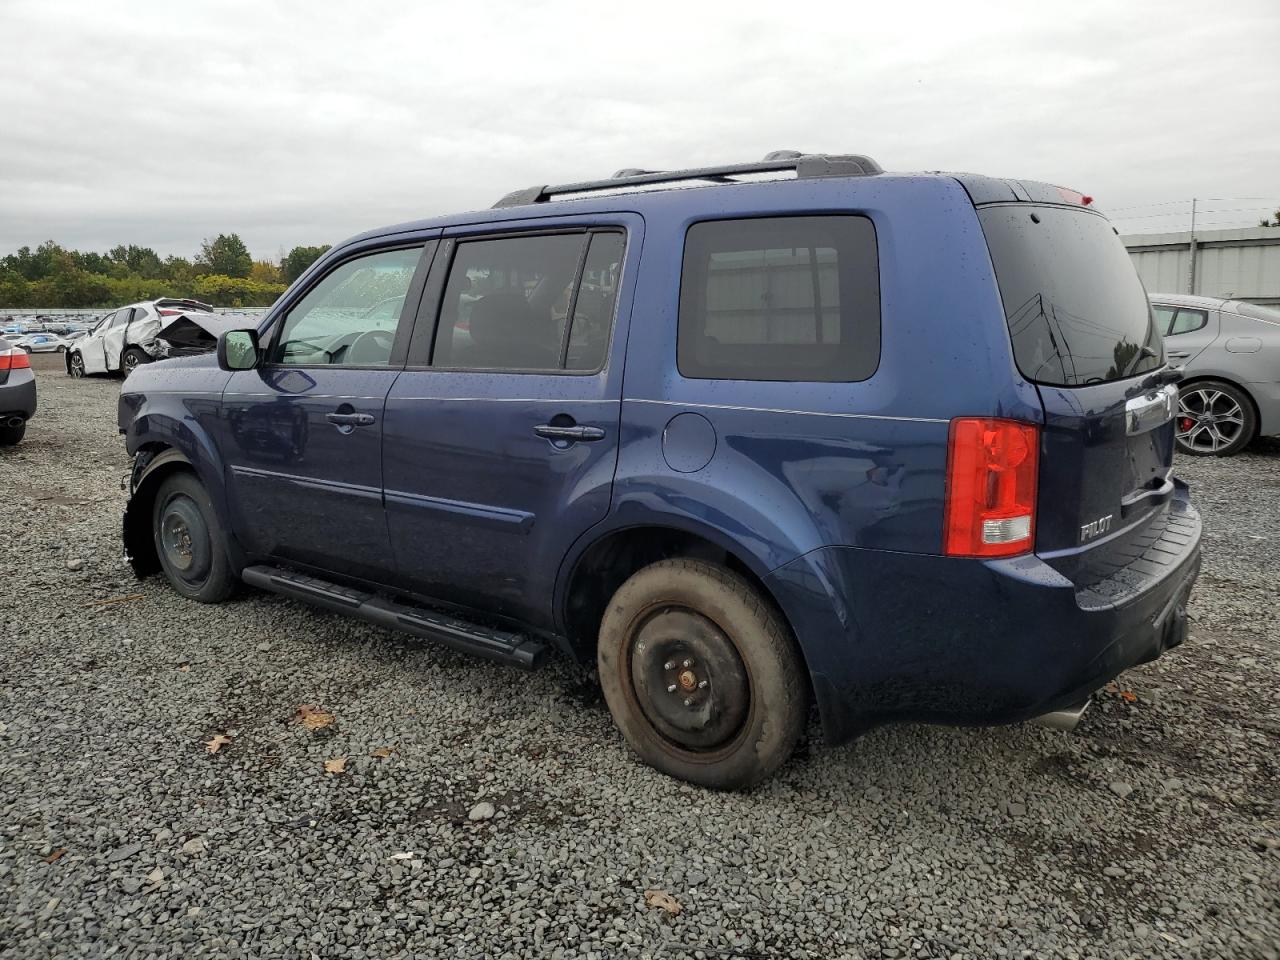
(302, 434)
(501, 436)
(92, 347)
(113, 338)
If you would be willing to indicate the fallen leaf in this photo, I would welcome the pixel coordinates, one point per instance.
(56, 855)
(184, 668)
(1129, 696)
(381, 753)
(336, 765)
(313, 718)
(664, 900)
(217, 743)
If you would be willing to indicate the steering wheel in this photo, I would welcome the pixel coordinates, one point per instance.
(375, 342)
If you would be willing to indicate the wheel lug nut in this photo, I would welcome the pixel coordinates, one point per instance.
(669, 665)
(688, 703)
(687, 664)
(702, 684)
(671, 689)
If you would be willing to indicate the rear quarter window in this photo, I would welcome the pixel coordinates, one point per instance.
(780, 298)
(1076, 309)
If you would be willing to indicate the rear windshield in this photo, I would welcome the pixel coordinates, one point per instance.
(1076, 310)
(1257, 312)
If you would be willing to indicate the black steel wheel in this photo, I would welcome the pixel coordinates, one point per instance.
(701, 675)
(189, 541)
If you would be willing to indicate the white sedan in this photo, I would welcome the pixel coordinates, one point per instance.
(39, 343)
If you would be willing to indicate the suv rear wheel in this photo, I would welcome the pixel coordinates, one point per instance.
(701, 675)
(189, 540)
(1215, 419)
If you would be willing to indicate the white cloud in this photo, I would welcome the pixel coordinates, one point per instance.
(300, 122)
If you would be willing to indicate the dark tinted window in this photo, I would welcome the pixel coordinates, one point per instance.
(1076, 310)
(507, 302)
(787, 298)
(594, 307)
(1184, 321)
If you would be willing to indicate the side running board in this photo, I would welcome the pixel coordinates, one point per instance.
(500, 645)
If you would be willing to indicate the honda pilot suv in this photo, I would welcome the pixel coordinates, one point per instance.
(746, 438)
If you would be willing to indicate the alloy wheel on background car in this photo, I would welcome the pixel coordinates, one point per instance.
(1209, 420)
(76, 366)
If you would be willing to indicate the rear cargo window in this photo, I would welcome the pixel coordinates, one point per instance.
(780, 298)
(1076, 310)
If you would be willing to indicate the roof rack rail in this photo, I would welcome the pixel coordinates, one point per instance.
(805, 165)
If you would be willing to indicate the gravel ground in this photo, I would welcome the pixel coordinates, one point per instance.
(1152, 831)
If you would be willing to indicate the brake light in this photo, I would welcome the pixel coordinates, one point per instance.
(16, 360)
(1074, 196)
(168, 313)
(992, 468)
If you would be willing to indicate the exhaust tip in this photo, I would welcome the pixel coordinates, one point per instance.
(1065, 720)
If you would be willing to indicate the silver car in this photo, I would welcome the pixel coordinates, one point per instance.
(1231, 352)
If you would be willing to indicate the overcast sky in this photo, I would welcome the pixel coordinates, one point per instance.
(304, 122)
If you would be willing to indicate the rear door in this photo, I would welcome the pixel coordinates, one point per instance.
(113, 339)
(1083, 332)
(502, 433)
(92, 346)
(1187, 330)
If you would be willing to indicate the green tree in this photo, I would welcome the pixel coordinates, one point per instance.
(226, 255)
(298, 259)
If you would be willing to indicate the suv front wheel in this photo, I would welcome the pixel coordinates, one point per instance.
(701, 675)
(189, 540)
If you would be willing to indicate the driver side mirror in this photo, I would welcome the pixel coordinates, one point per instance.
(238, 350)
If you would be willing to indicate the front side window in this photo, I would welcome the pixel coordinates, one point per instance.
(351, 316)
(508, 302)
(783, 298)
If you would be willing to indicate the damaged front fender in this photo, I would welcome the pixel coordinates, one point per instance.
(149, 468)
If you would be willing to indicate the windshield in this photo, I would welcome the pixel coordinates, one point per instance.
(1076, 310)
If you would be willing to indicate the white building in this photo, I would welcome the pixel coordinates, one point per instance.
(1241, 264)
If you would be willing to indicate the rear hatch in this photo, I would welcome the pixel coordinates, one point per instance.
(1083, 332)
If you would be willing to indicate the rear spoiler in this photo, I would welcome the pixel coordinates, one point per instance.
(183, 303)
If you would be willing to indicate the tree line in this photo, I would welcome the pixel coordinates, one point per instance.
(222, 273)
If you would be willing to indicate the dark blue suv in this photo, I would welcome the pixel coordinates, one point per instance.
(748, 437)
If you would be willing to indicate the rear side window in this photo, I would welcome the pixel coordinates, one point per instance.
(1076, 310)
(780, 298)
(1184, 321)
(528, 304)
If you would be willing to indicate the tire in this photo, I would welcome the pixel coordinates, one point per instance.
(75, 365)
(132, 359)
(1215, 419)
(11, 435)
(740, 700)
(27, 351)
(189, 540)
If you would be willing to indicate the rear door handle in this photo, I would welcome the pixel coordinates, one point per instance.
(570, 434)
(351, 419)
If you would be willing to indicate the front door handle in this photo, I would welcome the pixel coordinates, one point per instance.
(1178, 356)
(569, 434)
(350, 420)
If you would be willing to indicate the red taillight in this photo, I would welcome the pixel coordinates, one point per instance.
(16, 360)
(1074, 196)
(168, 313)
(992, 466)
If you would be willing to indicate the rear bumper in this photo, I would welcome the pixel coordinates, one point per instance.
(18, 395)
(895, 636)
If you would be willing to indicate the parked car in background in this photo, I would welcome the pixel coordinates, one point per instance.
(1230, 352)
(126, 338)
(39, 343)
(900, 444)
(17, 393)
